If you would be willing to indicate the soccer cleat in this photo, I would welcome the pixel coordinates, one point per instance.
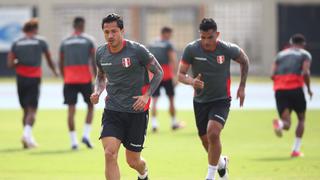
(74, 147)
(154, 129)
(296, 154)
(223, 171)
(276, 127)
(146, 178)
(178, 126)
(87, 142)
(28, 143)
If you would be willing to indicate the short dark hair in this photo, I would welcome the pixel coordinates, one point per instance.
(207, 24)
(113, 17)
(298, 39)
(30, 25)
(166, 29)
(78, 21)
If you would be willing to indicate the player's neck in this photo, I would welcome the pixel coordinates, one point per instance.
(30, 34)
(117, 48)
(77, 32)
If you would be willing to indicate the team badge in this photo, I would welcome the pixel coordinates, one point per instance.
(220, 59)
(126, 62)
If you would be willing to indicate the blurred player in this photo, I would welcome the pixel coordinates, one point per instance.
(25, 57)
(76, 63)
(124, 64)
(291, 71)
(210, 60)
(164, 52)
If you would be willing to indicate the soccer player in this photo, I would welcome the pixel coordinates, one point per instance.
(291, 70)
(210, 60)
(164, 52)
(76, 63)
(123, 67)
(25, 57)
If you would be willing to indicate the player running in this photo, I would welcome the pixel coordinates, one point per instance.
(164, 52)
(210, 60)
(25, 57)
(76, 65)
(291, 71)
(124, 64)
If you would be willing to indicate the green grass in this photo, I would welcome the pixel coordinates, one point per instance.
(255, 153)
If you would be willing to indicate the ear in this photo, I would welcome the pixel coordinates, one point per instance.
(218, 34)
(122, 31)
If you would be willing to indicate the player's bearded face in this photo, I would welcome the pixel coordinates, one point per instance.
(209, 39)
(113, 34)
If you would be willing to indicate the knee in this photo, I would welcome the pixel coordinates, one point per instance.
(110, 154)
(133, 162)
(213, 136)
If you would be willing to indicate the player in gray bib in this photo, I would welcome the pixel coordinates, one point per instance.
(124, 65)
(210, 60)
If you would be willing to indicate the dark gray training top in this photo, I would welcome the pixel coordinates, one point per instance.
(214, 66)
(126, 73)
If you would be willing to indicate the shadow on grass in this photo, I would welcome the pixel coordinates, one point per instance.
(269, 159)
(53, 152)
(11, 150)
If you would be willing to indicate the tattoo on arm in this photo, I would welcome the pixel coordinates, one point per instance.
(243, 60)
(100, 84)
(157, 71)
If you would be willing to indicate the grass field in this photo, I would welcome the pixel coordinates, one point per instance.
(255, 153)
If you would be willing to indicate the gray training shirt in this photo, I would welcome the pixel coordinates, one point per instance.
(126, 73)
(214, 66)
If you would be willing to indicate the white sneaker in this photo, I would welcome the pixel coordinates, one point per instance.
(29, 143)
(223, 171)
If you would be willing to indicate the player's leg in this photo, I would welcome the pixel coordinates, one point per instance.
(86, 91)
(154, 121)
(70, 98)
(201, 112)
(284, 111)
(111, 147)
(299, 106)
(135, 133)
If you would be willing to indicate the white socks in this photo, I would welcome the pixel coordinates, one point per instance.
(143, 176)
(211, 172)
(73, 138)
(297, 144)
(27, 132)
(174, 121)
(154, 122)
(86, 130)
(280, 124)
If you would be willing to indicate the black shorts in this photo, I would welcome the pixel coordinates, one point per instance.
(28, 91)
(291, 99)
(216, 111)
(70, 93)
(129, 128)
(168, 86)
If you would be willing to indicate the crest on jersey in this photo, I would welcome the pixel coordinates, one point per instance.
(126, 62)
(220, 59)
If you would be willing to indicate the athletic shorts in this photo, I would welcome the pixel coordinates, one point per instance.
(70, 93)
(129, 128)
(168, 86)
(217, 111)
(291, 99)
(28, 91)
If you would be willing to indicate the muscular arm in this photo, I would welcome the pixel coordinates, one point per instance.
(173, 60)
(182, 74)
(92, 58)
(243, 60)
(100, 83)
(50, 62)
(306, 75)
(155, 68)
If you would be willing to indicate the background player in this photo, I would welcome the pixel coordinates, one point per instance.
(164, 52)
(76, 65)
(291, 71)
(25, 57)
(210, 60)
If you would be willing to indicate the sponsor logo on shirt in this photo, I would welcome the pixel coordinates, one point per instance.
(126, 62)
(200, 58)
(220, 59)
(106, 64)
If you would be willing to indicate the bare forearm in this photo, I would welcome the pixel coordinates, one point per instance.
(155, 68)
(100, 83)
(185, 78)
(307, 80)
(243, 60)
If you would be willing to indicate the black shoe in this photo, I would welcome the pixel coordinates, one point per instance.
(223, 172)
(154, 130)
(74, 147)
(87, 142)
(146, 178)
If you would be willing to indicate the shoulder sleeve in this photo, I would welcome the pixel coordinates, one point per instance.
(14, 47)
(44, 45)
(61, 49)
(307, 56)
(143, 54)
(170, 46)
(233, 50)
(187, 56)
